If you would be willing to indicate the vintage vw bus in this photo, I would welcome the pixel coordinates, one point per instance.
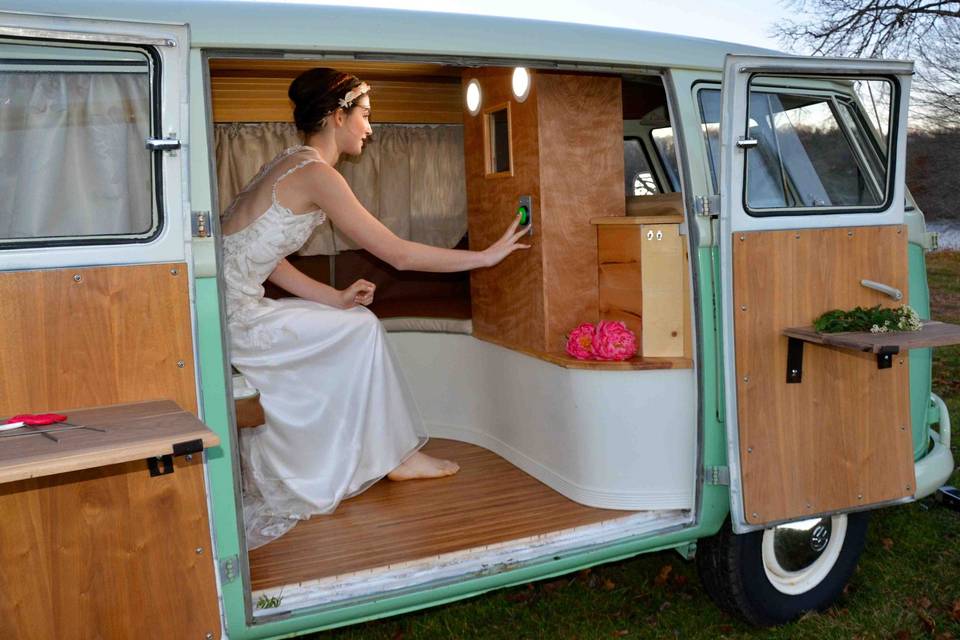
(714, 197)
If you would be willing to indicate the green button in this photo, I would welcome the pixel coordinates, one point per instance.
(524, 215)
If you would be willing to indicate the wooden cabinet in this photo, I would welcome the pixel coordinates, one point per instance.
(643, 277)
(93, 544)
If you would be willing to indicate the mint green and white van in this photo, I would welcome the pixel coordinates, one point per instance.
(714, 197)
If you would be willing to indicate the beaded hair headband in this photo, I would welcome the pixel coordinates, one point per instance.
(347, 101)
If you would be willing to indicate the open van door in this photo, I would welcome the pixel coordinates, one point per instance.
(105, 530)
(812, 213)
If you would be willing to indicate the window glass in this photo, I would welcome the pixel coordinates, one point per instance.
(814, 149)
(663, 142)
(638, 176)
(73, 163)
(498, 127)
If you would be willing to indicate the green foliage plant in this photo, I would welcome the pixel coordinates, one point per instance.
(873, 319)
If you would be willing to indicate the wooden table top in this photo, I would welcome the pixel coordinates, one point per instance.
(129, 432)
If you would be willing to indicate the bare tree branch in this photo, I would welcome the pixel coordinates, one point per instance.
(926, 30)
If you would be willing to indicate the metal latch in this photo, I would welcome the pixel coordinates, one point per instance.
(931, 240)
(717, 475)
(170, 143)
(229, 569)
(707, 206)
(187, 448)
(200, 224)
(747, 143)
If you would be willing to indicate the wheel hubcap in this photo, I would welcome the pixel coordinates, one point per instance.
(797, 556)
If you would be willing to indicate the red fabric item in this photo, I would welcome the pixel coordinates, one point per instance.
(37, 419)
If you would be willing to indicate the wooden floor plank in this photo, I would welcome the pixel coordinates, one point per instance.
(489, 501)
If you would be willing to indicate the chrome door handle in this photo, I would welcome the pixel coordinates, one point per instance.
(893, 292)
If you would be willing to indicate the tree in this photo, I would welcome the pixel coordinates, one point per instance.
(926, 30)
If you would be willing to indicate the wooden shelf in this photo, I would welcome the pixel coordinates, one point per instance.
(932, 334)
(125, 432)
(884, 345)
(562, 359)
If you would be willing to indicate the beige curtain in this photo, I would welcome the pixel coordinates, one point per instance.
(410, 176)
(72, 154)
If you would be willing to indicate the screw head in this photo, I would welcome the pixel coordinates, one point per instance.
(181, 364)
(743, 307)
(743, 238)
(174, 272)
(754, 515)
(77, 277)
(199, 550)
(749, 449)
(746, 378)
(849, 234)
(209, 636)
(188, 457)
(859, 496)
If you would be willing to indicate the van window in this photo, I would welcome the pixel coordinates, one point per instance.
(663, 142)
(639, 176)
(73, 163)
(813, 151)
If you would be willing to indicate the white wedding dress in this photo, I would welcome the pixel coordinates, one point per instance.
(338, 413)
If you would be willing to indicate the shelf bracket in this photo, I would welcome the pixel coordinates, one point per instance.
(179, 449)
(885, 357)
(794, 360)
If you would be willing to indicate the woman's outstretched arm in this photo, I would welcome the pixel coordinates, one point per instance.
(330, 192)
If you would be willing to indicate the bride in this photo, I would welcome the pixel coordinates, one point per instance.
(338, 414)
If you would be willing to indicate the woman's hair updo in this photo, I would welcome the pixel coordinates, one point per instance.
(316, 93)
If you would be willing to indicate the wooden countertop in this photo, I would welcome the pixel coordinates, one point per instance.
(132, 431)
(670, 218)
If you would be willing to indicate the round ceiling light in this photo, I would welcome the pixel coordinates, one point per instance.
(521, 83)
(473, 97)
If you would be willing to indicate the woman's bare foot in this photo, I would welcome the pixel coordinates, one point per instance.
(420, 466)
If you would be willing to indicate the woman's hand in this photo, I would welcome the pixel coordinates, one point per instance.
(507, 244)
(360, 292)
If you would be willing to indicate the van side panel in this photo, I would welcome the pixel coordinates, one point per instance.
(921, 360)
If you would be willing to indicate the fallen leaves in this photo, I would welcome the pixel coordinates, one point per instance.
(664, 575)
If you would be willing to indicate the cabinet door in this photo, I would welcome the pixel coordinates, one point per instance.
(663, 276)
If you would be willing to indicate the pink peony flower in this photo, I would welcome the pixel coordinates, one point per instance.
(613, 341)
(580, 342)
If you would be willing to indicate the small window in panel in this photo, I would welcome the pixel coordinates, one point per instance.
(73, 161)
(497, 130)
(639, 179)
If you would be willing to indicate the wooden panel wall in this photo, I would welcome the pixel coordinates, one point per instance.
(107, 553)
(507, 300)
(840, 438)
(258, 93)
(567, 142)
(86, 337)
(581, 177)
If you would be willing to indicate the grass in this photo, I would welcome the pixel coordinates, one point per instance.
(907, 584)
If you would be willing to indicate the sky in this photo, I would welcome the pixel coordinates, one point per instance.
(746, 21)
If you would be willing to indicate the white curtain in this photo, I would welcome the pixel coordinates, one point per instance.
(411, 177)
(72, 154)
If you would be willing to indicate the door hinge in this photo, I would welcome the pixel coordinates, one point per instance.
(707, 206)
(229, 569)
(200, 224)
(931, 240)
(170, 143)
(186, 449)
(717, 475)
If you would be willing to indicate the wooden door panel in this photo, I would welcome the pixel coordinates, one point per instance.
(840, 439)
(87, 337)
